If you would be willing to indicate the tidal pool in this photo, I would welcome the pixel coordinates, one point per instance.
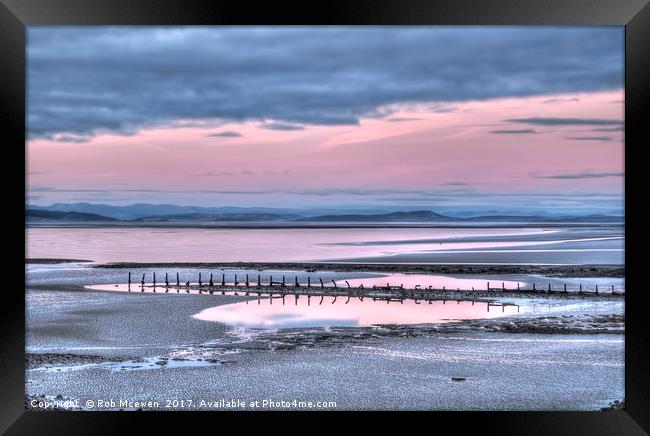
(292, 312)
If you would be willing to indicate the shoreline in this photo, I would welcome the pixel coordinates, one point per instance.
(577, 271)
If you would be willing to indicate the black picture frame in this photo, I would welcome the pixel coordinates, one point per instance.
(15, 15)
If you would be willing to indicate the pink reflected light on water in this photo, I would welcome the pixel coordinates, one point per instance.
(410, 281)
(249, 245)
(262, 313)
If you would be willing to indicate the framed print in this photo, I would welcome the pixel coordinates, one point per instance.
(373, 208)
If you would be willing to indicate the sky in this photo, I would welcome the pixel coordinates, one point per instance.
(449, 119)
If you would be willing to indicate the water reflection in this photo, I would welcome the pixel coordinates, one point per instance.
(331, 312)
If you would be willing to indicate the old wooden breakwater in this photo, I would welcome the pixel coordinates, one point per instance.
(280, 287)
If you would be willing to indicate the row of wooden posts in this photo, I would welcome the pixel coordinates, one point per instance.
(296, 284)
(360, 293)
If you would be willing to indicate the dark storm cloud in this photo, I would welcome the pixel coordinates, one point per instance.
(565, 121)
(84, 81)
(514, 132)
(609, 129)
(401, 119)
(589, 138)
(279, 126)
(579, 176)
(226, 134)
(561, 100)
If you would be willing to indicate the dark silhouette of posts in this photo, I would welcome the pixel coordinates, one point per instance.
(211, 282)
(129, 280)
(322, 285)
(178, 280)
(565, 291)
(154, 280)
(223, 279)
(142, 282)
(296, 284)
(308, 282)
(283, 284)
(334, 284)
(236, 282)
(259, 283)
(200, 280)
(166, 280)
(247, 283)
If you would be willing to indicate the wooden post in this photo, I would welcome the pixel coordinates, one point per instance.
(223, 279)
(549, 287)
(271, 281)
(142, 279)
(247, 280)
(200, 280)
(154, 280)
(488, 286)
(612, 289)
(321, 299)
(596, 289)
(296, 277)
(334, 284)
(517, 286)
(334, 300)
(283, 284)
(178, 281)
(322, 285)
(533, 286)
(236, 282)
(347, 283)
(211, 282)
(580, 288)
(308, 282)
(129, 280)
(503, 286)
(259, 283)
(166, 280)
(565, 288)
(296, 297)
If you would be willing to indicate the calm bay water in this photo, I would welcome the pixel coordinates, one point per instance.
(601, 245)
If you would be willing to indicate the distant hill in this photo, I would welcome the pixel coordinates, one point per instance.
(210, 217)
(414, 216)
(50, 215)
(142, 210)
(163, 213)
(535, 218)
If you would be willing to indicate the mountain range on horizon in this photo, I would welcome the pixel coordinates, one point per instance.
(149, 213)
